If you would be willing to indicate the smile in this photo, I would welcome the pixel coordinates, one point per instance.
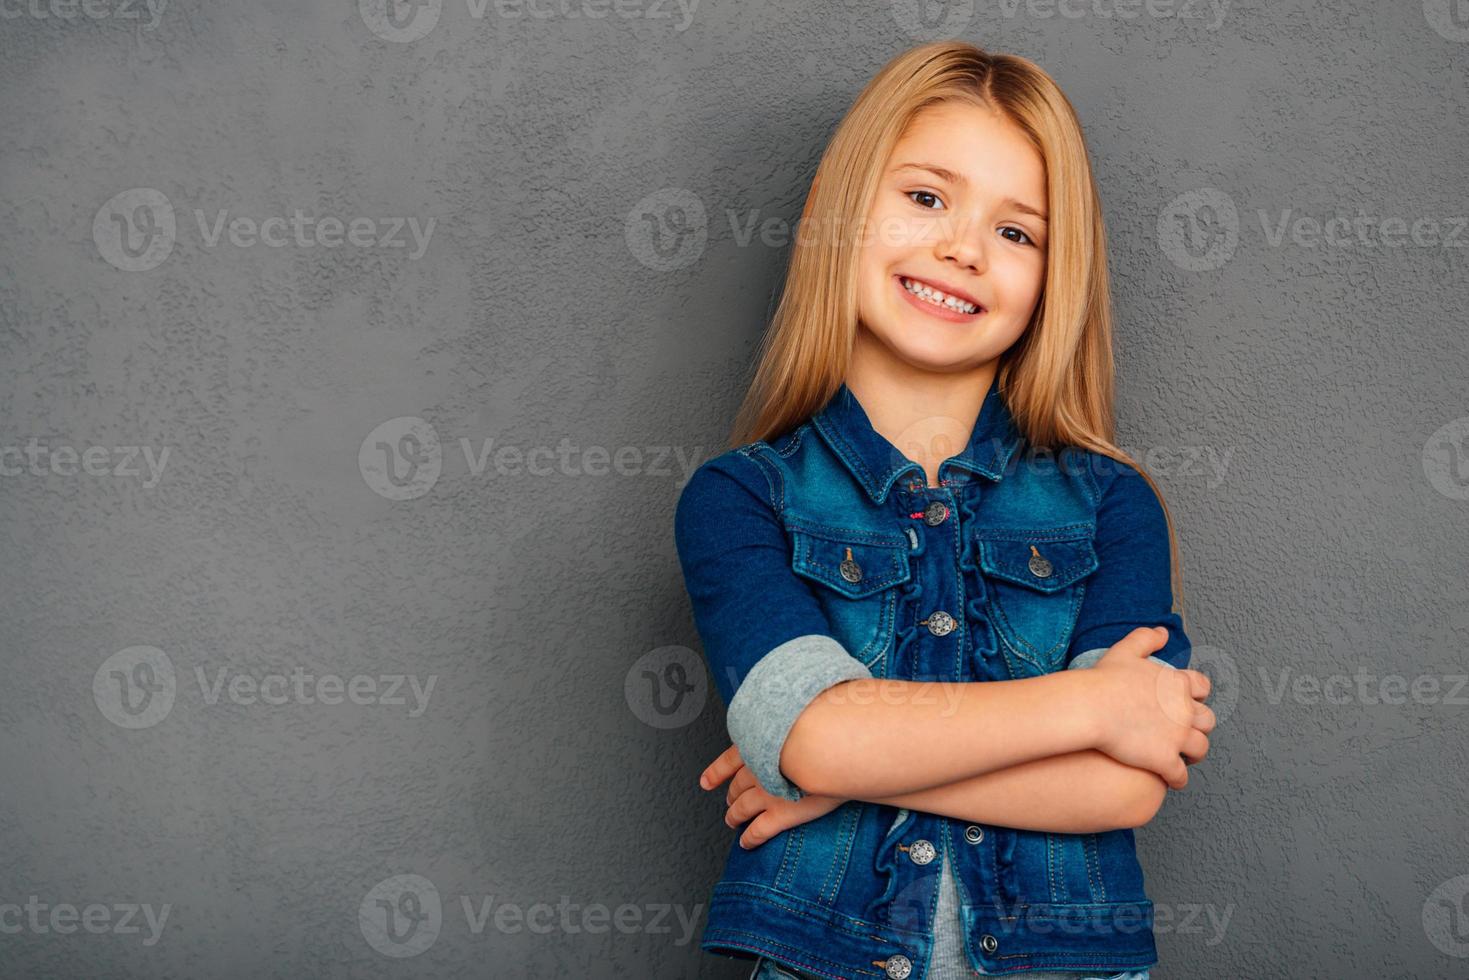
(937, 301)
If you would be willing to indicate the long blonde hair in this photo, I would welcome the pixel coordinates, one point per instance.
(1057, 379)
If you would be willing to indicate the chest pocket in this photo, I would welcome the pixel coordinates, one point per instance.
(857, 574)
(1034, 580)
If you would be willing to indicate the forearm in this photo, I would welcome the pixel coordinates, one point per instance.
(878, 737)
(1076, 793)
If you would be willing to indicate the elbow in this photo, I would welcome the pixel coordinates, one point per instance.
(803, 760)
(1141, 801)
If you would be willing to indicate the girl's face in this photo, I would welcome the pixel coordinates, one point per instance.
(959, 211)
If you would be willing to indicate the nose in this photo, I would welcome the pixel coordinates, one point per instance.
(962, 241)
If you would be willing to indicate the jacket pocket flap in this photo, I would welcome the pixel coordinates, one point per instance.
(854, 562)
(1044, 559)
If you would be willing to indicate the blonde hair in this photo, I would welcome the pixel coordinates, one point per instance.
(1057, 379)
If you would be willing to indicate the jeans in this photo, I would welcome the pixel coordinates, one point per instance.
(768, 969)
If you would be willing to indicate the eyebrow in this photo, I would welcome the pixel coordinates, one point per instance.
(945, 174)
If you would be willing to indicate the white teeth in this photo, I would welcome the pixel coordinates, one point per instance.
(937, 298)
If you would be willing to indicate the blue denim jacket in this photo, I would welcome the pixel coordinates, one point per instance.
(823, 556)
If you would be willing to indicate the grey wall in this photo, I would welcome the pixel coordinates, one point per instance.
(583, 281)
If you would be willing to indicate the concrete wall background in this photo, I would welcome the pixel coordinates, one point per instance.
(581, 277)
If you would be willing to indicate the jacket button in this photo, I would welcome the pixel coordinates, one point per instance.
(851, 571)
(973, 834)
(899, 966)
(939, 623)
(988, 943)
(935, 513)
(922, 852)
(1039, 567)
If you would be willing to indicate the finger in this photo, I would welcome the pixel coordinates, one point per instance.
(1142, 641)
(745, 807)
(1199, 684)
(1175, 774)
(743, 779)
(761, 829)
(1204, 718)
(721, 768)
(1195, 747)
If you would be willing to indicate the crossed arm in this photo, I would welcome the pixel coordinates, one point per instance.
(1043, 753)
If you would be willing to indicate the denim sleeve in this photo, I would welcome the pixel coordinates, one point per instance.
(1131, 586)
(766, 639)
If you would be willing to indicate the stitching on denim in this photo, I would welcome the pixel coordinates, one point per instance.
(795, 949)
(1094, 866)
(844, 853)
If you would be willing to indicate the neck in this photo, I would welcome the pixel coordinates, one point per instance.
(927, 415)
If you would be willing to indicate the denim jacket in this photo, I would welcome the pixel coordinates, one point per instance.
(823, 556)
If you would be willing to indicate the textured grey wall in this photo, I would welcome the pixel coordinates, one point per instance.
(534, 252)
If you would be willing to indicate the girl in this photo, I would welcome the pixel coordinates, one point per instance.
(921, 530)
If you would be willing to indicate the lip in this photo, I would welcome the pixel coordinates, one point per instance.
(942, 312)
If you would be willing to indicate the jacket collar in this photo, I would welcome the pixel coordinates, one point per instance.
(877, 464)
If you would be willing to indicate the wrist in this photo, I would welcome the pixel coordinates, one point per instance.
(1083, 708)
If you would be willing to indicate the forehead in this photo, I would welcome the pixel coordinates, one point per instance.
(976, 143)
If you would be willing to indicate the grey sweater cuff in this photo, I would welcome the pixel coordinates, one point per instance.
(773, 695)
(1090, 658)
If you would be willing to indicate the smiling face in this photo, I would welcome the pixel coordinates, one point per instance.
(958, 216)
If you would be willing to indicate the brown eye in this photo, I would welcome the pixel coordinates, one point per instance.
(1018, 231)
(912, 196)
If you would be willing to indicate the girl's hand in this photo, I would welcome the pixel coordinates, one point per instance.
(768, 815)
(1154, 717)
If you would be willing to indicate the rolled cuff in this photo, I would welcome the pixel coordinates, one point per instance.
(773, 695)
(1090, 658)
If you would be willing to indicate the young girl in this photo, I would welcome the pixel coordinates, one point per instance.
(922, 529)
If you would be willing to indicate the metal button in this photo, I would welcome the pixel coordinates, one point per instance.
(899, 966)
(851, 571)
(922, 852)
(988, 943)
(939, 623)
(1039, 566)
(935, 513)
(973, 834)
